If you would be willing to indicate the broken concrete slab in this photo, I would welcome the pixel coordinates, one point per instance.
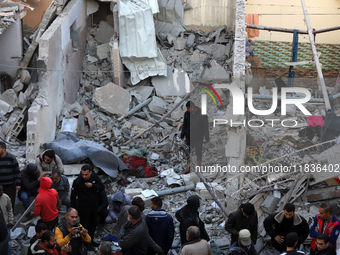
(141, 93)
(177, 83)
(217, 51)
(179, 112)
(215, 74)
(158, 105)
(112, 98)
(190, 41)
(103, 51)
(204, 193)
(10, 97)
(104, 32)
(180, 43)
(5, 107)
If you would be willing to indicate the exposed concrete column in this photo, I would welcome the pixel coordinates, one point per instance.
(236, 145)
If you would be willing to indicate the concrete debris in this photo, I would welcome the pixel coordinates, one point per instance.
(175, 84)
(25, 77)
(5, 107)
(10, 97)
(18, 86)
(158, 105)
(113, 99)
(104, 32)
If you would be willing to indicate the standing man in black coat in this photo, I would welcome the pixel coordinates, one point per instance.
(84, 197)
(188, 216)
(245, 217)
(195, 129)
(279, 225)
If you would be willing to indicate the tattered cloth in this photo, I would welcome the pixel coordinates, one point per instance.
(138, 167)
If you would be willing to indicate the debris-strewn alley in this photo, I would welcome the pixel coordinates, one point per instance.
(94, 94)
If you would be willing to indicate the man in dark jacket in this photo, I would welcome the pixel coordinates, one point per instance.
(245, 217)
(195, 129)
(280, 224)
(133, 237)
(84, 197)
(325, 223)
(62, 185)
(48, 246)
(161, 225)
(243, 245)
(324, 247)
(30, 183)
(189, 216)
(9, 173)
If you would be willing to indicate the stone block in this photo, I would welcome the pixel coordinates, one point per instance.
(10, 97)
(18, 86)
(5, 107)
(104, 32)
(177, 83)
(158, 105)
(179, 43)
(21, 100)
(190, 41)
(113, 99)
(25, 77)
(269, 204)
(133, 192)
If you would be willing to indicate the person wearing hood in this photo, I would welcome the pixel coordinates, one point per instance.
(245, 217)
(48, 160)
(279, 225)
(30, 182)
(161, 225)
(189, 216)
(117, 202)
(46, 203)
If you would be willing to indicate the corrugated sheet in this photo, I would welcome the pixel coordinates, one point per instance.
(142, 68)
(153, 4)
(136, 30)
(169, 20)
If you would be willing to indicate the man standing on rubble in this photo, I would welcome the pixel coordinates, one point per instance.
(195, 129)
(324, 223)
(9, 173)
(161, 225)
(189, 216)
(279, 225)
(85, 197)
(245, 217)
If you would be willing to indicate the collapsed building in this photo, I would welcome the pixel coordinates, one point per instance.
(103, 79)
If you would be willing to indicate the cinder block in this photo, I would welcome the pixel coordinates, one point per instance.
(269, 204)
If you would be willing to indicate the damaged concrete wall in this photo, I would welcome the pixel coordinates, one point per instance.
(60, 49)
(11, 48)
(207, 13)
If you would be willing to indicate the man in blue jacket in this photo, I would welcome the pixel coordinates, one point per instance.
(161, 225)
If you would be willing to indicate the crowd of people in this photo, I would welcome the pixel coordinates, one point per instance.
(136, 232)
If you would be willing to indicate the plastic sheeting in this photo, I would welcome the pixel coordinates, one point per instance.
(72, 150)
